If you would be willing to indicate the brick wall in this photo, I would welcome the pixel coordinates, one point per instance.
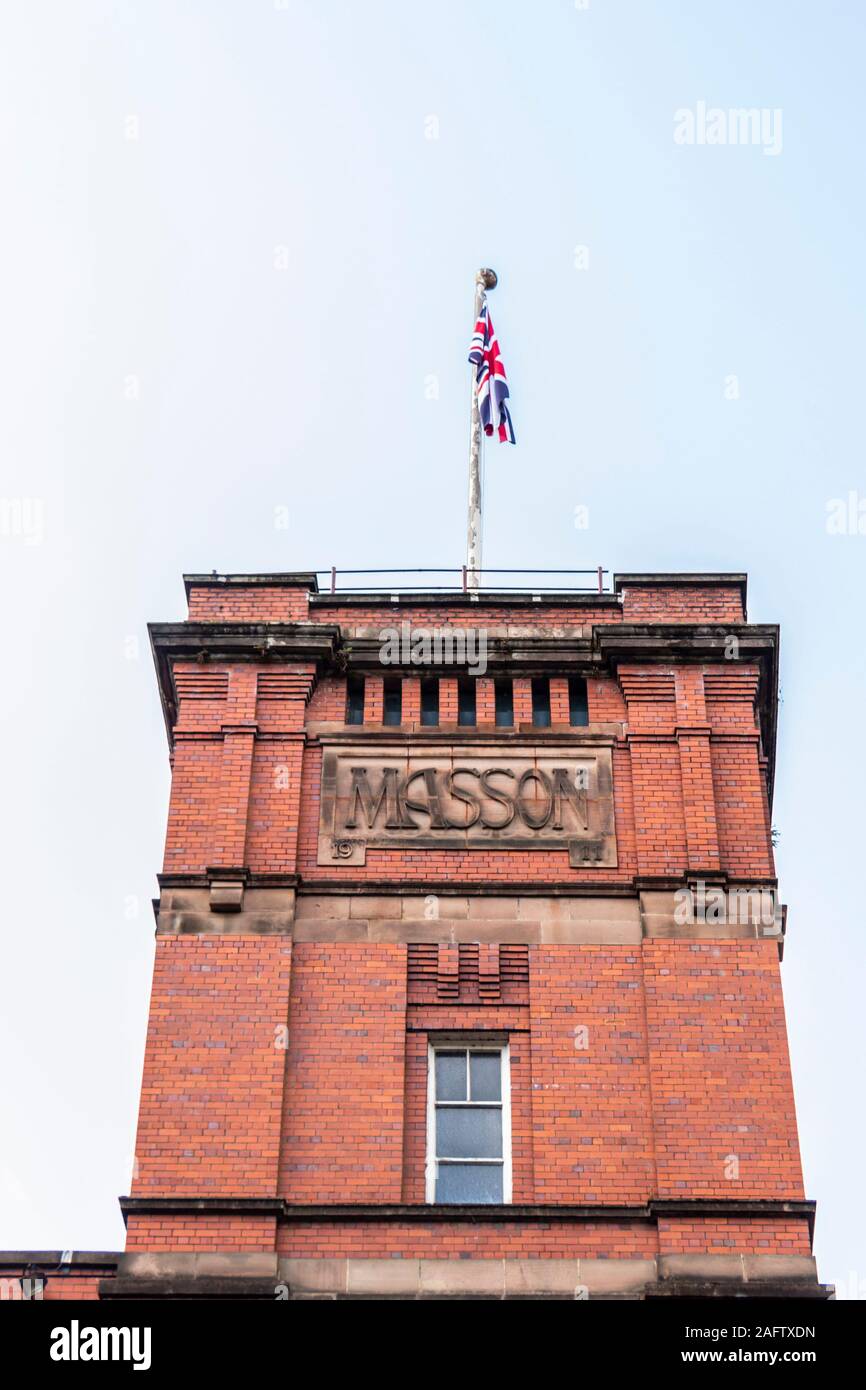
(636, 1072)
(259, 603)
(591, 1113)
(682, 603)
(469, 1240)
(214, 1067)
(718, 1058)
(201, 1233)
(727, 1236)
(342, 1127)
(656, 1069)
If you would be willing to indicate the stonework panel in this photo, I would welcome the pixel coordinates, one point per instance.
(456, 796)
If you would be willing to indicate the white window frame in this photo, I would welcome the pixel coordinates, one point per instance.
(472, 1044)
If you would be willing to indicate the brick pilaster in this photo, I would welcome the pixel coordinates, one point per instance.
(696, 771)
(522, 701)
(560, 712)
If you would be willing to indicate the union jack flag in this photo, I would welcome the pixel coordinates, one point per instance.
(491, 386)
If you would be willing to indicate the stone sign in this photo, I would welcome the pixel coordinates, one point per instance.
(466, 796)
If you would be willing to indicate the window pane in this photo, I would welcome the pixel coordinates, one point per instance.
(451, 1076)
(392, 696)
(466, 700)
(355, 700)
(485, 1072)
(578, 712)
(468, 1133)
(469, 1182)
(541, 702)
(504, 694)
(430, 702)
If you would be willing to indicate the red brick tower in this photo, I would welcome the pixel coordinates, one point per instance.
(465, 980)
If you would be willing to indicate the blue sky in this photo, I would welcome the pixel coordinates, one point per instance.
(233, 260)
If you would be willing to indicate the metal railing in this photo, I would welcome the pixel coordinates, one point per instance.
(461, 581)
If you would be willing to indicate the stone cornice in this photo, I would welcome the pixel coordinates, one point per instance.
(515, 655)
(685, 642)
(668, 643)
(650, 1211)
(522, 734)
(621, 887)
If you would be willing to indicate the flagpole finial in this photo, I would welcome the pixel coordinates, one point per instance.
(488, 278)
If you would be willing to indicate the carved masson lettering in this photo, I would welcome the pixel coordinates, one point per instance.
(538, 799)
(439, 796)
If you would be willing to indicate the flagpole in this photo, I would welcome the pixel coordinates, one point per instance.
(484, 280)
